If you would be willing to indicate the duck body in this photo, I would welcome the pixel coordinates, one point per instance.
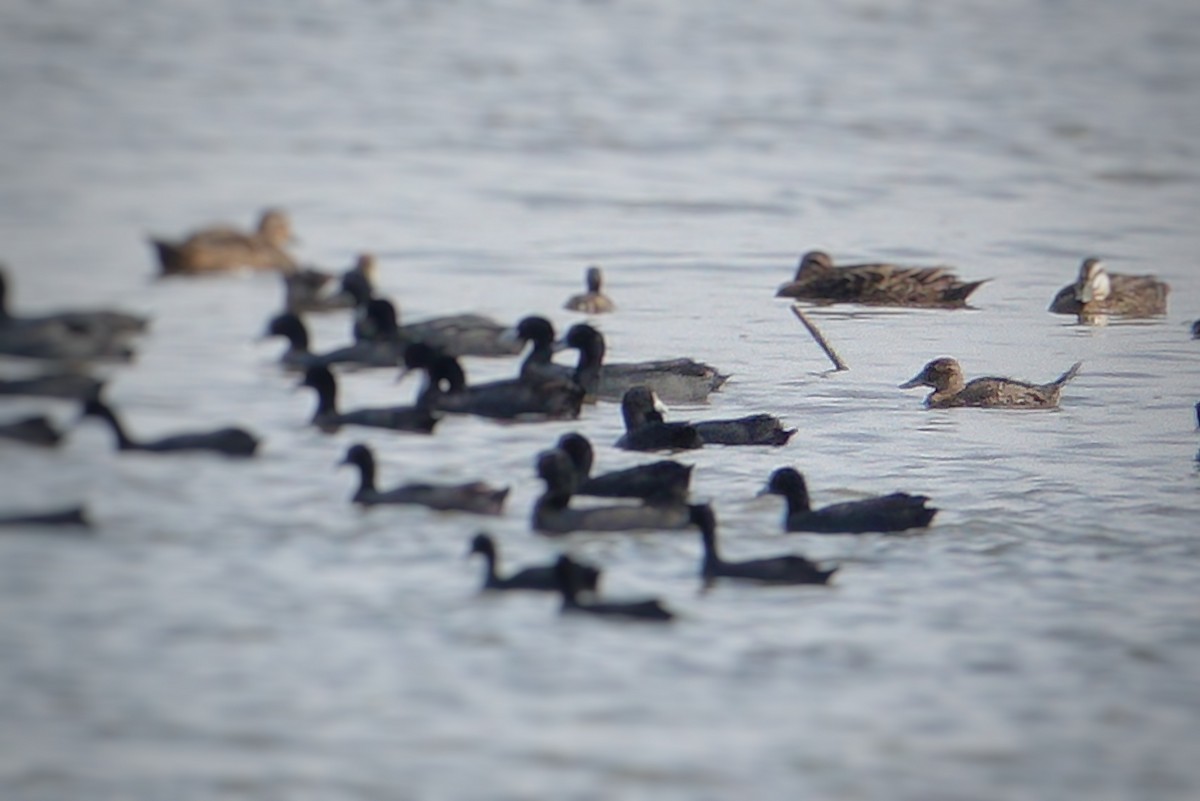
(1097, 292)
(102, 324)
(950, 390)
(664, 481)
(224, 248)
(886, 513)
(786, 569)
(475, 497)
(593, 301)
(650, 609)
(414, 419)
(552, 513)
(538, 579)
(229, 441)
(818, 280)
(68, 516)
(67, 385)
(754, 429)
(33, 430)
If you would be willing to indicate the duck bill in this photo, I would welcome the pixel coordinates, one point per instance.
(916, 381)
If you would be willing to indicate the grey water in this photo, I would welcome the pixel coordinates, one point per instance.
(239, 630)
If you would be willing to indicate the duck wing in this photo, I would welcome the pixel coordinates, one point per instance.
(896, 512)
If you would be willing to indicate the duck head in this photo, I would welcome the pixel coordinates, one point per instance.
(1093, 283)
(942, 374)
(813, 262)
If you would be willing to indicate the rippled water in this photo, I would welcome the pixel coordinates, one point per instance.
(239, 631)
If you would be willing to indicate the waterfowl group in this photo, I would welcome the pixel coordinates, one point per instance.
(646, 497)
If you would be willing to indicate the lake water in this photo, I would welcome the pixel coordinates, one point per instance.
(238, 630)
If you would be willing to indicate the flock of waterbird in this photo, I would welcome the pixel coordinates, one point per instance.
(647, 497)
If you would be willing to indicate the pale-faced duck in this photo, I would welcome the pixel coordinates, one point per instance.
(1097, 292)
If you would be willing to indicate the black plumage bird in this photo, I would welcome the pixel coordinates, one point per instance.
(230, 441)
(541, 578)
(896, 512)
(787, 569)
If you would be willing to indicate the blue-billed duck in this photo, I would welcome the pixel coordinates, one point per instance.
(818, 280)
(229, 441)
(552, 513)
(787, 569)
(1097, 292)
(515, 399)
(475, 497)
(416, 419)
(594, 301)
(650, 609)
(224, 248)
(896, 512)
(664, 481)
(542, 578)
(945, 376)
(642, 412)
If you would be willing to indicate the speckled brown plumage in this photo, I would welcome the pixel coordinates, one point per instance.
(817, 279)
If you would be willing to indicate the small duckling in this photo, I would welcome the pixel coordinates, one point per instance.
(945, 376)
(650, 609)
(416, 419)
(32, 430)
(896, 512)
(817, 279)
(657, 482)
(228, 441)
(224, 248)
(552, 513)
(641, 410)
(474, 497)
(788, 569)
(594, 301)
(1097, 292)
(541, 579)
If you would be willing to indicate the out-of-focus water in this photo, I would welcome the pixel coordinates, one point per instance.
(237, 630)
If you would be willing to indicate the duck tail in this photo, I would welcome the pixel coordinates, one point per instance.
(1071, 372)
(962, 291)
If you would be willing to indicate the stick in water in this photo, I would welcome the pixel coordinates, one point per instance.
(838, 364)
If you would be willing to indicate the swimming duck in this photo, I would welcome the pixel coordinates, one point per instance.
(1097, 291)
(475, 497)
(69, 516)
(594, 301)
(680, 380)
(32, 430)
(104, 324)
(552, 513)
(306, 290)
(224, 248)
(68, 385)
(788, 569)
(945, 376)
(229, 441)
(641, 410)
(817, 279)
(453, 334)
(416, 419)
(650, 609)
(656, 482)
(645, 429)
(896, 512)
(515, 399)
(542, 578)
